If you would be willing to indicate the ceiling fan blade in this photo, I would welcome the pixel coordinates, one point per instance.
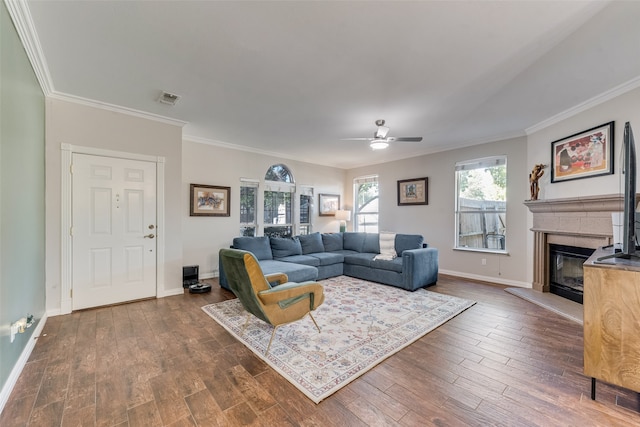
(357, 139)
(405, 139)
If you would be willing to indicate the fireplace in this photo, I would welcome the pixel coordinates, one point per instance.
(583, 222)
(565, 270)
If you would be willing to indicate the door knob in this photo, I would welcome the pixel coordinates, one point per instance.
(149, 236)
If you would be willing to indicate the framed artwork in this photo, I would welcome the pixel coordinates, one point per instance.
(328, 204)
(413, 192)
(583, 155)
(210, 200)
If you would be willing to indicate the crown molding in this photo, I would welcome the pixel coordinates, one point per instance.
(206, 141)
(117, 109)
(584, 106)
(21, 17)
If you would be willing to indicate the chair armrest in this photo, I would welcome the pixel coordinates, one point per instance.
(292, 290)
(280, 278)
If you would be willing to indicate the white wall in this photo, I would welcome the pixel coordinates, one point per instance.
(436, 221)
(203, 237)
(82, 125)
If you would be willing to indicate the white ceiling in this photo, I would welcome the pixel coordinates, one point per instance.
(293, 78)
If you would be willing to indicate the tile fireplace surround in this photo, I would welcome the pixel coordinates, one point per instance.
(579, 221)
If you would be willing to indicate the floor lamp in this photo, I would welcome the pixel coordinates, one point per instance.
(343, 216)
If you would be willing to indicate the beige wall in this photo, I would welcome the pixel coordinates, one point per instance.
(620, 109)
(196, 240)
(206, 164)
(81, 125)
(435, 221)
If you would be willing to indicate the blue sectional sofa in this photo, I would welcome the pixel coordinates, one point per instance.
(319, 256)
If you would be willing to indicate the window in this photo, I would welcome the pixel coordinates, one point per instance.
(306, 209)
(481, 204)
(279, 173)
(248, 206)
(365, 216)
(278, 202)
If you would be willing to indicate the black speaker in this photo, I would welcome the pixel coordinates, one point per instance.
(190, 274)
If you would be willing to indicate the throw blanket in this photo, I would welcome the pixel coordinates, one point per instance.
(387, 246)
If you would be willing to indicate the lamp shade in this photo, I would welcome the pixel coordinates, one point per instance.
(343, 215)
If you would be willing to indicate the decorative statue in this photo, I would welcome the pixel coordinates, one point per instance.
(534, 176)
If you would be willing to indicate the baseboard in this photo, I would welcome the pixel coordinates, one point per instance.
(54, 312)
(22, 361)
(209, 275)
(489, 279)
(171, 292)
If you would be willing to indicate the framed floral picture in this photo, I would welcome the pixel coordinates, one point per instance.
(210, 200)
(413, 192)
(328, 204)
(583, 155)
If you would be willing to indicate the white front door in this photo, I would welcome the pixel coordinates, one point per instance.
(113, 230)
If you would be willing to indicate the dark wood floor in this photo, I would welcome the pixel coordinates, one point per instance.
(503, 362)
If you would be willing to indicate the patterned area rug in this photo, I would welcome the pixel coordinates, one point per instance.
(362, 324)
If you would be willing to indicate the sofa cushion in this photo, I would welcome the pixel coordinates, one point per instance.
(332, 241)
(301, 259)
(363, 259)
(405, 242)
(282, 247)
(258, 246)
(328, 258)
(353, 241)
(311, 243)
(371, 243)
(391, 265)
(295, 272)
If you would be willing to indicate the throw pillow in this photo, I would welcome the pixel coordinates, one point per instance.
(258, 246)
(332, 241)
(283, 247)
(408, 241)
(371, 243)
(311, 243)
(354, 241)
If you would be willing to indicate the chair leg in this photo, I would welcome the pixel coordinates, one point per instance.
(314, 322)
(273, 334)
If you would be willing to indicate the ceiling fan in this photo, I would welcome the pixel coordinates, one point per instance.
(380, 139)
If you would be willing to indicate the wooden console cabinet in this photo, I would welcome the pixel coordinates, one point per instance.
(612, 322)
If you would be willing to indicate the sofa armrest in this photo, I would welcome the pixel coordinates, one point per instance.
(419, 268)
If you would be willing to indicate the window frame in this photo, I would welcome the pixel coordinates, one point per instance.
(249, 183)
(357, 208)
(286, 185)
(467, 165)
(307, 192)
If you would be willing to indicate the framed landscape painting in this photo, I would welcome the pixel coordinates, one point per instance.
(583, 155)
(413, 192)
(209, 200)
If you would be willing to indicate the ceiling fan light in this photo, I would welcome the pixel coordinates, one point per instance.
(378, 144)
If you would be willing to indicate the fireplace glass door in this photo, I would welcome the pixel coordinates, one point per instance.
(565, 271)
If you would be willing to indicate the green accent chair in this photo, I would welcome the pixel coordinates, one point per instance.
(276, 305)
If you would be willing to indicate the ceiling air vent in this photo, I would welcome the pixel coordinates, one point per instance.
(168, 98)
